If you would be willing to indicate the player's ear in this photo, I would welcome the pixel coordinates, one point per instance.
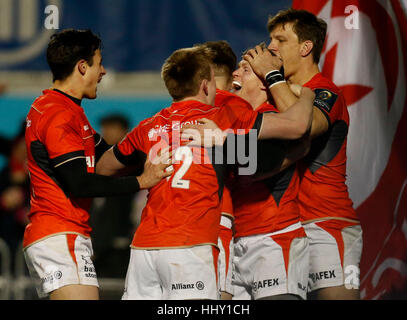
(205, 87)
(306, 48)
(82, 66)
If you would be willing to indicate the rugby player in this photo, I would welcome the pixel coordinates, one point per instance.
(327, 214)
(62, 152)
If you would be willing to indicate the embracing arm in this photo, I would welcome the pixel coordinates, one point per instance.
(76, 181)
(291, 124)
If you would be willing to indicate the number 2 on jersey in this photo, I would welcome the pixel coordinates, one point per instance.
(182, 154)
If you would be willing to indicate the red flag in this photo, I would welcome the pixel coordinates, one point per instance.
(365, 54)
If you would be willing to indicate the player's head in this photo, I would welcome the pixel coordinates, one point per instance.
(224, 62)
(296, 35)
(188, 73)
(76, 53)
(114, 127)
(251, 87)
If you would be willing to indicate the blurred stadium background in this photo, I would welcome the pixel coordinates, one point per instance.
(368, 61)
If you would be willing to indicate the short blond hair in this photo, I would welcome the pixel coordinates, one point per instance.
(184, 71)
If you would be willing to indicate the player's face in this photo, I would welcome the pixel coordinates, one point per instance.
(284, 43)
(250, 84)
(93, 75)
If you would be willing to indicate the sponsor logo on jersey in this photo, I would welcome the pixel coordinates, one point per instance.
(330, 274)
(301, 286)
(325, 99)
(184, 286)
(174, 126)
(265, 283)
(51, 277)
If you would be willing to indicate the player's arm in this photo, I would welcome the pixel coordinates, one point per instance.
(292, 124)
(284, 95)
(77, 182)
(101, 146)
(108, 165)
(267, 67)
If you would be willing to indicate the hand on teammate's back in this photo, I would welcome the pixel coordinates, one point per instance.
(156, 169)
(206, 134)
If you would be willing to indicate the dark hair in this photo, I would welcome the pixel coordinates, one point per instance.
(305, 25)
(184, 71)
(68, 47)
(222, 57)
(115, 119)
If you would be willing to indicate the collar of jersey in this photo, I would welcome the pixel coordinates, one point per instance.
(188, 104)
(63, 97)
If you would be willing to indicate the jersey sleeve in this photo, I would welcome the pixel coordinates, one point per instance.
(329, 103)
(131, 150)
(235, 113)
(61, 133)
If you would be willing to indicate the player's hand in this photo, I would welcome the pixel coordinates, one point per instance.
(307, 93)
(262, 61)
(206, 134)
(156, 169)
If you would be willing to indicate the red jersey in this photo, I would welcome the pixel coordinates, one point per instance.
(323, 192)
(229, 100)
(227, 204)
(57, 131)
(184, 209)
(269, 205)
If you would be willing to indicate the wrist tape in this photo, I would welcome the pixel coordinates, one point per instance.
(274, 77)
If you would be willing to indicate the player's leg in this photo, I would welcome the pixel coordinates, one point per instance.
(61, 267)
(189, 273)
(142, 281)
(276, 267)
(75, 292)
(335, 251)
(241, 273)
(290, 265)
(335, 293)
(282, 297)
(225, 244)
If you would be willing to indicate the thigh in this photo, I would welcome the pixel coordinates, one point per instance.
(272, 265)
(60, 261)
(335, 251)
(241, 276)
(284, 271)
(142, 280)
(189, 273)
(75, 292)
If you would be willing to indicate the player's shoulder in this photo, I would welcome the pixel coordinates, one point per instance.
(327, 94)
(50, 104)
(320, 82)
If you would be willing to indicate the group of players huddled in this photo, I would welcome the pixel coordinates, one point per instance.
(213, 227)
